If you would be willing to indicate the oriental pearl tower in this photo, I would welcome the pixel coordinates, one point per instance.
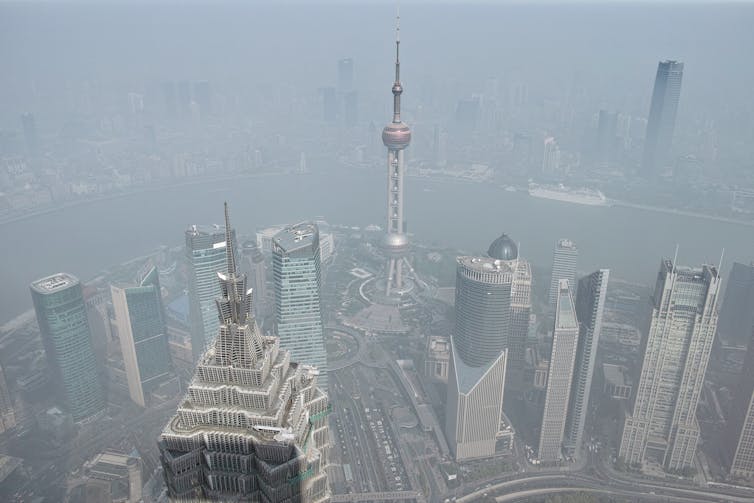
(396, 136)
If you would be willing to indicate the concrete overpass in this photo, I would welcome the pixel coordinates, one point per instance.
(383, 496)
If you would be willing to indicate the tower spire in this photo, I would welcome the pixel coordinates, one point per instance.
(397, 87)
(229, 255)
(397, 46)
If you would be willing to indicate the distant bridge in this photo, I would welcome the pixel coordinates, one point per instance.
(384, 496)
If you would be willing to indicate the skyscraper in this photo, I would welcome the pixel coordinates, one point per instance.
(329, 103)
(479, 352)
(205, 257)
(350, 108)
(203, 98)
(30, 132)
(738, 437)
(61, 314)
(737, 312)
(7, 412)
(504, 249)
(551, 157)
(258, 271)
(564, 259)
(606, 140)
(298, 282)
(396, 136)
(662, 426)
(345, 75)
(590, 305)
(559, 376)
(140, 321)
(662, 112)
(253, 424)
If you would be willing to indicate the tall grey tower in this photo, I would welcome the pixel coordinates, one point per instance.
(7, 412)
(738, 437)
(737, 312)
(61, 314)
(205, 257)
(396, 136)
(663, 425)
(590, 305)
(298, 283)
(564, 259)
(662, 112)
(143, 335)
(560, 375)
(479, 353)
(253, 424)
(504, 249)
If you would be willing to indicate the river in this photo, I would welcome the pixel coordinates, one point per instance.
(86, 238)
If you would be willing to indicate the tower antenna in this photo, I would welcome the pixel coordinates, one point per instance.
(720, 264)
(397, 44)
(229, 255)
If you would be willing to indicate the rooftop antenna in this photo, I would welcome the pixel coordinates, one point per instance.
(229, 255)
(397, 87)
(397, 42)
(675, 257)
(720, 264)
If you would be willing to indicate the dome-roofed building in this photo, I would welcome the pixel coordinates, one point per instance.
(503, 248)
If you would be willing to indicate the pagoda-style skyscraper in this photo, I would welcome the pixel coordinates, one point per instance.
(253, 424)
(396, 136)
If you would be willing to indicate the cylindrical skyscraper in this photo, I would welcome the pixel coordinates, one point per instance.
(396, 136)
(479, 354)
(64, 326)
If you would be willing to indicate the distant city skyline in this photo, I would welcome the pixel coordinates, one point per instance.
(366, 340)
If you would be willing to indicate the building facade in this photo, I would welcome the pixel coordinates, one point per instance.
(662, 113)
(253, 424)
(297, 277)
(255, 264)
(479, 352)
(61, 314)
(590, 306)
(7, 411)
(559, 377)
(737, 311)
(142, 332)
(564, 259)
(738, 439)
(662, 426)
(551, 157)
(205, 257)
(437, 359)
(504, 248)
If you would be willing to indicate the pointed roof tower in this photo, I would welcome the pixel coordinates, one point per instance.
(397, 135)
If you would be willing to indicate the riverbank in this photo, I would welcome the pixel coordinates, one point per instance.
(132, 192)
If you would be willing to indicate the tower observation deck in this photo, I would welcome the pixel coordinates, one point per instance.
(396, 136)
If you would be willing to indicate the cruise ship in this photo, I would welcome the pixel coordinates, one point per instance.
(586, 196)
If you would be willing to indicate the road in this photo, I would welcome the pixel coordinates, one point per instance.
(606, 481)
